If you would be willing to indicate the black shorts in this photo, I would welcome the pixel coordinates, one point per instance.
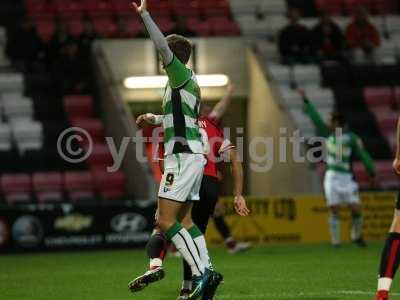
(398, 201)
(203, 209)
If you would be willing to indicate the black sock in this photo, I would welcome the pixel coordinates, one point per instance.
(390, 256)
(222, 227)
(156, 246)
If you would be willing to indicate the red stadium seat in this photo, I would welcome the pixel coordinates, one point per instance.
(333, 7)
(224, 27)
(69, 9)
(78, 106)
(100, 157)
(16, 188)
(110, 185)
(200, 27)
(191, 8)
(165, 24)
(215, 9)
(98, 7)
(161, 8)
(387, 178)
(379, 97)
(93, 126)
(388, 122)
(48, 187)
(132, 27)
(105, 27)
(122, 7)
(79, 185)
(41, 9)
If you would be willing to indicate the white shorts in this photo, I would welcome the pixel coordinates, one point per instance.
(182, 177)
(340, 188)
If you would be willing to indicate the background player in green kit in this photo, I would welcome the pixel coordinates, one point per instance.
(184, 156)
(339, 186)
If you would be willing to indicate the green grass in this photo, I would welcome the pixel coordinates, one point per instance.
(316, 272)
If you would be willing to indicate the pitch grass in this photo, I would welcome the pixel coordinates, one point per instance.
(312, 272)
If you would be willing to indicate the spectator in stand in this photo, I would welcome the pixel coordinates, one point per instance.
(362, 36)
(86, 39)
(294, 41)
(60, 37)
(69, 71)
(181, 28)
(328, 40)
(24, 46)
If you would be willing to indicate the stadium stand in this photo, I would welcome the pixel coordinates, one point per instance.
(37, 106)
(366, 93)
(113, 18)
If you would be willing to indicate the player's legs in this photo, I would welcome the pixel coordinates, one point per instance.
(223, 229)
(333, 198)
(357, 224)
(390, 256)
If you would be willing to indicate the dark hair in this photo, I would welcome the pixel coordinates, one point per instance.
(339, 118)
(180, 46)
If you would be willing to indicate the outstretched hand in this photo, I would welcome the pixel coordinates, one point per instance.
(142, 8)
(241, 206)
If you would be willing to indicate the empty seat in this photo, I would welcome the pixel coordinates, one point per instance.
(110, 185)
(93, 126)
(379, 97)
(75, 26)
(100, 157)
(11, 82)
(280, 73)
(97, 7)
(105, 27)
(5, 137)
(28, 135)
(307, 74)
(69, 9)
(18, 109)
(48, 186)
(224, 27)
(79, 185)
(78, 106)
(16, 188)
(198, 26)
(45, 29)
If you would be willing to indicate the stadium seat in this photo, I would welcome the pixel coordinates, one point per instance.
(78, 106)
(307, 74)
(200, 27)
(28, 135)
(105, 27)
(41, 9)
(192, 9)
(387, 178)
(48, 186)
(224, 27)
(388, 121)
(379, 97)
(110, 185)
(69, 9)
(16, 188)
(280, 73)
(100, 157)
(121, 7)
(361, 176)
(97, 7)
(132, 27)
(93, 126)
(79, 185)
(18, 109)
(11, 82)
(5, 137)
(333, 7)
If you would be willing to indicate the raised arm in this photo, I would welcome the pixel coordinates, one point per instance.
(155, 34)
(363, 155)
(314, 115)
(221, 107)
